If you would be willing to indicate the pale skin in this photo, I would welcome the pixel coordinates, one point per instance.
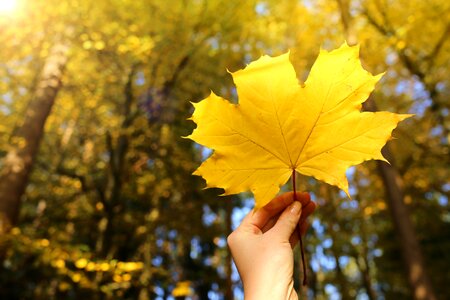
(262, 246)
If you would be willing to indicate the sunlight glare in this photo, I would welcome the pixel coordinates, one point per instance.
(7, 6)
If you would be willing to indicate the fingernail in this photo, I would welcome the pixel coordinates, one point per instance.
(296, 207)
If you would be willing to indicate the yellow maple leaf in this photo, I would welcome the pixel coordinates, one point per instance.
(280, 126)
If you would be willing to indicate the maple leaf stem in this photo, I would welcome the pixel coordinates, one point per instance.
(299, 233)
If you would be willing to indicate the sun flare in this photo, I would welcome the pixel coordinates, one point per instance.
(7, 6)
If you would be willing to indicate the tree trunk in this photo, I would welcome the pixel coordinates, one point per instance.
(393, 183)
(117, 154)
(341, 279)
(362, 261)
(366, 278)
(411, 252)
(336, 251)
(25, 141)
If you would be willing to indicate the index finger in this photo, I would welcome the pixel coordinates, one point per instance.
(275, 207)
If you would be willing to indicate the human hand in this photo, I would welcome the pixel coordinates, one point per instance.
(262, 246)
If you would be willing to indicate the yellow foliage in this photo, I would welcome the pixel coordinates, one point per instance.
(81, 263)
(15, 231)
(99, 45)
(76, 277)
(59, 263)
(99, 206)
(130, 266)
(104, 266)
(183, 288)
(44, 243)
(381, 205)
(368, 211)
(400, 45)
(141, 230)
(63, 286)
(408, 199)
(90, 266)
(126, 277)
(87, 45)
(77, 184)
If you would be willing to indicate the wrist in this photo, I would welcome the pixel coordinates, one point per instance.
(280, 291)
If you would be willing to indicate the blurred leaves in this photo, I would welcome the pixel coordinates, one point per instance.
(111, 209)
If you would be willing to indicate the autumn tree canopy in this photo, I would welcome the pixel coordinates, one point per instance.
(97, 199)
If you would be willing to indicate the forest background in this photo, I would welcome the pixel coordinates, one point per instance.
(97, 200)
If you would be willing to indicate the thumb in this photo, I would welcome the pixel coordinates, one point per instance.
(288, 221)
